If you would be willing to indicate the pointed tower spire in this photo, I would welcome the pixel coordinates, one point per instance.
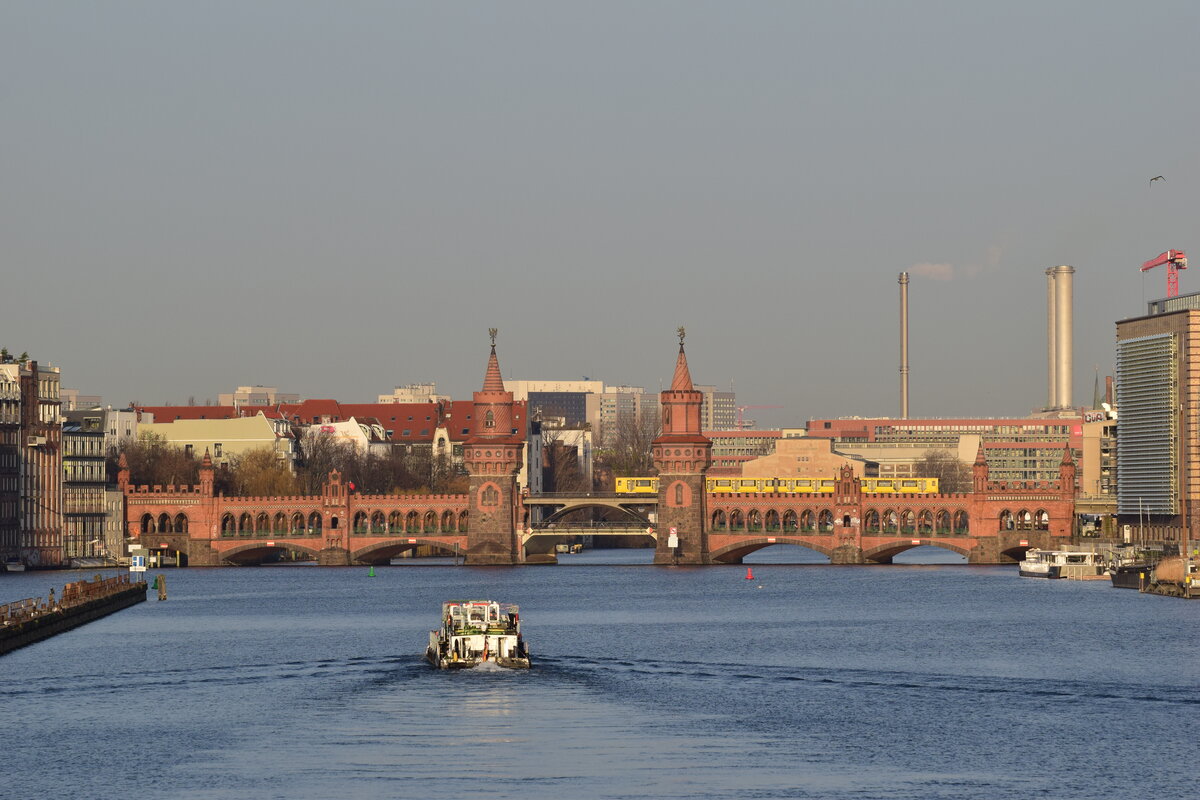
(980, 471)
(682, 382)
(492, 382)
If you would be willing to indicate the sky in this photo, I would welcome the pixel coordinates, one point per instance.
(338, 198)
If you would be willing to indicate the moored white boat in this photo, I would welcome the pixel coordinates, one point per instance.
(1077, 564)
(1038, 564)
(14, 564)
(475, 632)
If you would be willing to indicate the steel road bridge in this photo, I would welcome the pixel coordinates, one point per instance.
(560, 504)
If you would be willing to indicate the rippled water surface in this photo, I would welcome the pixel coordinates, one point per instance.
(923, 681)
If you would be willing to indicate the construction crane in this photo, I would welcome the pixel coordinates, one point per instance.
(741, 421)
(1175, 261)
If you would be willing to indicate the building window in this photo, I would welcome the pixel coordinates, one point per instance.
(216, 449)
(489, 420)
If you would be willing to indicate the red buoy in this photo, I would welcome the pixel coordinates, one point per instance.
(749, 574)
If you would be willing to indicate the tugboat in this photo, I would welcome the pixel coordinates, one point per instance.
(475, 632)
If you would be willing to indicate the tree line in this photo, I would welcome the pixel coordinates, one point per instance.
(154, 461)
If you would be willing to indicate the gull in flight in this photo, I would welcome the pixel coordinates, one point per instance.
(1157, 178)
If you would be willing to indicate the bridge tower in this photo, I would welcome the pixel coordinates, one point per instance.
(682, 455)
(847, 517)
(492, 456)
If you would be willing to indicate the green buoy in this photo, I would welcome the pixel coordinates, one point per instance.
(371, 572)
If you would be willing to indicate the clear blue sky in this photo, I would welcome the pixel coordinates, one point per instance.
(336, 198)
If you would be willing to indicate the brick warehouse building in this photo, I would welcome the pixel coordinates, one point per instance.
(993, 523)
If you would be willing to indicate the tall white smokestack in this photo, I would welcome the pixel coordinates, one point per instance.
(903, 345)
(1051, 349)
(1063, 285)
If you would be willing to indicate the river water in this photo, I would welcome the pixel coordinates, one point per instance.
(917, 681)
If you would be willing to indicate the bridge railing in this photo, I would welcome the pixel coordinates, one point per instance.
(587, 525)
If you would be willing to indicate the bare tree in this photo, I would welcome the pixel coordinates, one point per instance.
(953, 475)
(153, 461)
(319, 455)
(260, 473)
(624, 448)
(561, 471)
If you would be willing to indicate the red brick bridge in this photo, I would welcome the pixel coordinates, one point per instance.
(490, 525)
(337, 527)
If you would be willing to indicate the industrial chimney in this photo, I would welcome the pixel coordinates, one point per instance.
(1063, 344)
(903, 345)
(1051, 350)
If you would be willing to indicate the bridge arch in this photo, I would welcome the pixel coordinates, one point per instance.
(383, 552)
(255, 552)
(718, 522)
(884, 553)
(734, 553)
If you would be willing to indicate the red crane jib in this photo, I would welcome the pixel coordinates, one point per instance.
(1176, 258)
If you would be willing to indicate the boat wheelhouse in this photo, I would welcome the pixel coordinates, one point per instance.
(475, 632)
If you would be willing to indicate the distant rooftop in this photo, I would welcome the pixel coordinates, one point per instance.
(1167, 305)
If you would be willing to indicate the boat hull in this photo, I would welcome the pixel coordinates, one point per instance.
(1130, 576)
(470, 663)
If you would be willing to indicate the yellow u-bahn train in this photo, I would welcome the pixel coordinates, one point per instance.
(788, 485)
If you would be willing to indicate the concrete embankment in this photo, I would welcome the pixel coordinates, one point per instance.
(27, 621)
